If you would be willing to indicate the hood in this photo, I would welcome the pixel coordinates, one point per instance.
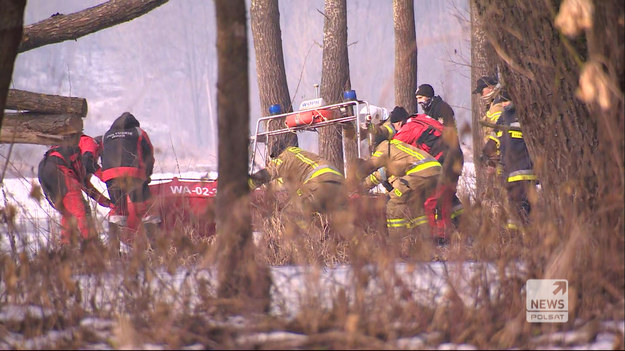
(125, 121)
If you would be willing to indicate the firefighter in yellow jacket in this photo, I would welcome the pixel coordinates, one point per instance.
(413, 174)
(316, 185)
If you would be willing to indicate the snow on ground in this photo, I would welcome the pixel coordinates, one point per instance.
(292, 285)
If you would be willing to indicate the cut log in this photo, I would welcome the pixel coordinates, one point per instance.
(61, 27)
(32, 128)
(21, 100)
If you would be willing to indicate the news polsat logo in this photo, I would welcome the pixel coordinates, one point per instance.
(547, 301)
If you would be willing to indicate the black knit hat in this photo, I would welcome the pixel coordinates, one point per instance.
(483, 82)
(425, 90)
(398, 114)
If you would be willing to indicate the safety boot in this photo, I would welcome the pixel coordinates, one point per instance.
(116, 225)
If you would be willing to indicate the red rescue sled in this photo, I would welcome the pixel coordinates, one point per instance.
(184, 204)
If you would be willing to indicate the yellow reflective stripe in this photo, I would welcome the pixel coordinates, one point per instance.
(377, 154)
(397, 192)
(251, 184)
(519, 177)
(306, 160)
(493, 116)
(499, 133)
(512, 226)
(409, 151)
(516, 134)
(423, 166)
(396, 223)
(374, 179)
(457, 213)
(277, 161)
(323, 170)
(391, 131)
(415, 222)
(280, 180)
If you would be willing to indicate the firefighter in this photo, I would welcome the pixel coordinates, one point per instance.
(312, 183)
(127, 165)
(443, 207)
(63, 178)
(492, 94)
(413, 175)
(517, 168)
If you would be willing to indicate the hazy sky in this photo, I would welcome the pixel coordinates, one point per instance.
(162, 68)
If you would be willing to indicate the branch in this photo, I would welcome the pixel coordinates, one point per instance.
(61, 27)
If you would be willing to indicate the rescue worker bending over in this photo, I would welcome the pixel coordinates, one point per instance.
(127, 164)
(421, 131)
(62, 176)
(413, 174)
(444, 207)
(90, 149)
(314, 184)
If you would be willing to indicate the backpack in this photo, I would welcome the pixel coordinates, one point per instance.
(425, 133)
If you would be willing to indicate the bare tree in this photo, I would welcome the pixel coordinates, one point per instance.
(60, 28)
(334, 75)
(239, 276)
(272, 84)
(405, 54)
(11, 23)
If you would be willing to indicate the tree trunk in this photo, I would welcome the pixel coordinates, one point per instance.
(240, 277)
(334, 76)
(32, 128)
(272, 84)
(574, 132)
(60, 27)
(21, 100)
(11, 23)
(483, 63)
(405, 54)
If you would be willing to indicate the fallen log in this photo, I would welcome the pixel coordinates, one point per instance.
(21, 100)
(33, 128)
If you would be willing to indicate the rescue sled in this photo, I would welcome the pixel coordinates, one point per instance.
(183, 204)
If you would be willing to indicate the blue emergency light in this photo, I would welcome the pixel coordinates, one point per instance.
(275, 109)
(349, 95)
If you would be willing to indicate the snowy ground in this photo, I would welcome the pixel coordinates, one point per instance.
(291, 284)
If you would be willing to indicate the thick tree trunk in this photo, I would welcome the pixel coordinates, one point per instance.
(272, 84)
(405, 54)
(11, 23)
(21, 100)
(240, 276)
(334, 76)
(482, 64)
(569, 97)
(31, 128)
(60, 27)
